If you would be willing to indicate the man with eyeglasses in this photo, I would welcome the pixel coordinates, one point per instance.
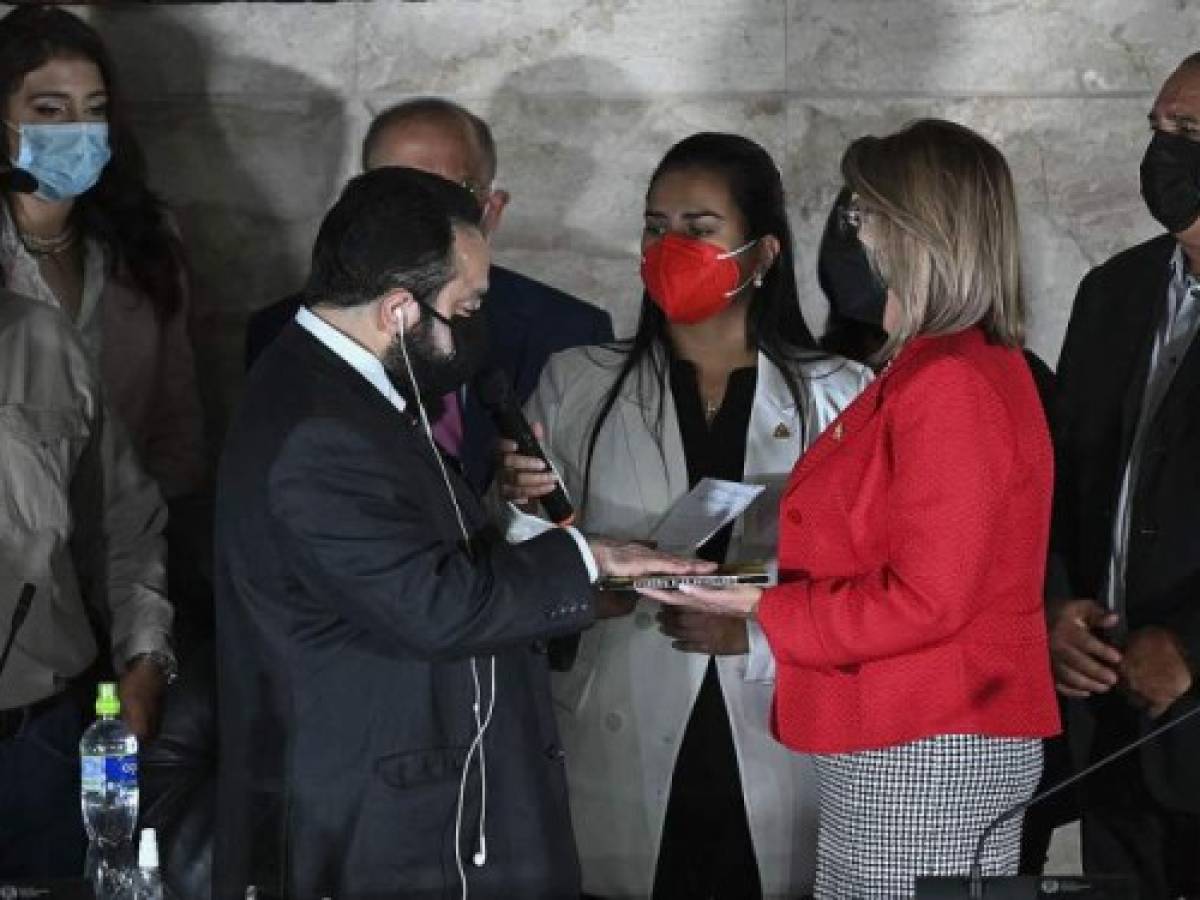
(1125, 618)
(527, 321)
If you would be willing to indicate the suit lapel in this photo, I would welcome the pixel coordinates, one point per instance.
(1180, 402)
(1138, 332)
(773, 440)
(299, 342)
(638, 405)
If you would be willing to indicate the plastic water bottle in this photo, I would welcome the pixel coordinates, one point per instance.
(149, 882)
(109, 795)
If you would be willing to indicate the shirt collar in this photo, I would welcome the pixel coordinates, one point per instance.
(356, 356)
(1180, 274)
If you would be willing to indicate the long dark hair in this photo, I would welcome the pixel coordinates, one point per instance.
(775, 325)
(120, 211)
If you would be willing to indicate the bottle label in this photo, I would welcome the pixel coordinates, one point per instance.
(100, 773)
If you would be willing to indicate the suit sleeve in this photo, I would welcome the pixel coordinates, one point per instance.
(360, 535)
(951, 452)
(1069, 382)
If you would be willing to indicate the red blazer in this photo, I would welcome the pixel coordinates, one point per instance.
(912, 550)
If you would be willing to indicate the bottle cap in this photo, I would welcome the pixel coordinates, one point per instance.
(107, 703)
(148, 850)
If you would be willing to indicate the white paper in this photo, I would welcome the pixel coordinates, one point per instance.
(706, 509)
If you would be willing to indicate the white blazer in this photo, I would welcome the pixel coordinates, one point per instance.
(623, 706)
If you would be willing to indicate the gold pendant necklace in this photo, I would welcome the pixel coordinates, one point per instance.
(48, 246)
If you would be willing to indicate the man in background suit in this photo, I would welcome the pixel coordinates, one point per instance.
(1125, 630)
(527, 321)
(383, 694)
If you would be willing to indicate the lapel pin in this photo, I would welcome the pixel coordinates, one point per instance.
(838, 430)
(782, 432)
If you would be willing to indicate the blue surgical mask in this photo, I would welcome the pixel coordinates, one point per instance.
(66, 158)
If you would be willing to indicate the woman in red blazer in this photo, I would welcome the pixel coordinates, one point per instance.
(907, 627)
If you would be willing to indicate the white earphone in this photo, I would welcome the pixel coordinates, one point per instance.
(479, 858)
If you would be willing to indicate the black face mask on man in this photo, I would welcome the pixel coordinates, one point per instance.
(1171, 181)
(437, 372)
(854, 289)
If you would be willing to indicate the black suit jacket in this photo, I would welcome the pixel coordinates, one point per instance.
(1102, 375)
(527, 321)
(348, 612)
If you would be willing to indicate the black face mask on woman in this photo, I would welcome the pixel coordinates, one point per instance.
(1171, 181)
(852, 286)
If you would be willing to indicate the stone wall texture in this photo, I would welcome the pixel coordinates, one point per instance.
(251, 115)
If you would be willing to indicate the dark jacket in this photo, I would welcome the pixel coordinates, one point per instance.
(528, 322)
(1102, 375)
(348, 613)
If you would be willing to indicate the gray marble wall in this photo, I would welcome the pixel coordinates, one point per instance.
(251, 115)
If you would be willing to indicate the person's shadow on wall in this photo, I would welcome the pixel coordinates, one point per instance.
(247, 174)
(577, 172)
(247, 161)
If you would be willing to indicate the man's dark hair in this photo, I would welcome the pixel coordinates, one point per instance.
(391, 228)
(438, 111)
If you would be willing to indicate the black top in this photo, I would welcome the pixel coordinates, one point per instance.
(716, 449)
(706, 848)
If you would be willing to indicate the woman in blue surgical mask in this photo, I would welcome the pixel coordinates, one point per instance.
(87, 235)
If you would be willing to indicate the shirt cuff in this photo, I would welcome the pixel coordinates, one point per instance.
(520, 527)
(760, 662)
(585, 551)
(150, 640)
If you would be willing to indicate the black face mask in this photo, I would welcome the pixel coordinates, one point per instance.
(436, 373)
(1171, 181)
(853, 288)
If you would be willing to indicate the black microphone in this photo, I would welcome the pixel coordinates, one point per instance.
(17, 181)
(18, 619)
(942, 887)
(496, 395)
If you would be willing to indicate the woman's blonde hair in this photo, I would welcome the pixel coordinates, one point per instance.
(938, 200)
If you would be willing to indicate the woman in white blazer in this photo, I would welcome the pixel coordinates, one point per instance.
(664, 716)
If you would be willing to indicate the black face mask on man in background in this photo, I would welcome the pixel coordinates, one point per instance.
(855, 291)
(1171, 181)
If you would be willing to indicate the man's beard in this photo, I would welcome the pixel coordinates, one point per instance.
(436, 372)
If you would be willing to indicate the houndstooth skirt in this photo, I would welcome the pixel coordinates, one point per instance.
(887, 816)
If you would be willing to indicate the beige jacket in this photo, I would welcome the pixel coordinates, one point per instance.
(624, 705)
(79, 519)
(147, 365)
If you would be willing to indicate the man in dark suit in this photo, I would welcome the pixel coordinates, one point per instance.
(1125, 632)
(527, 321)
(385, 717)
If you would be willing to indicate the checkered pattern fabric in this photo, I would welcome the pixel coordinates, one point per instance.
(890, 815)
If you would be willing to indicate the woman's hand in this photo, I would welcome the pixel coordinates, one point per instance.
(706, 633)
(740, 601)
(522, 479)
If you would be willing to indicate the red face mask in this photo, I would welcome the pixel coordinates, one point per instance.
(691, 280)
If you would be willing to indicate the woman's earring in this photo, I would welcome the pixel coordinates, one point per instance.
(758, 279)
